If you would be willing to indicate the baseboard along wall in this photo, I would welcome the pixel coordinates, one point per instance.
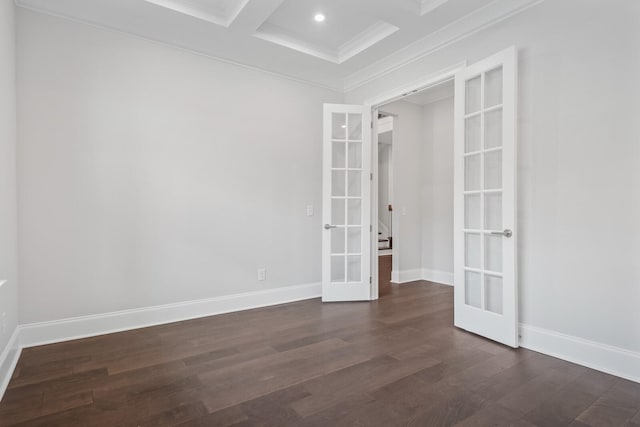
(435, 276)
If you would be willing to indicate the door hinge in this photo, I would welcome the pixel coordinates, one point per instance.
(371, 124)
(370, 280)
(370, 228)
(371, 176)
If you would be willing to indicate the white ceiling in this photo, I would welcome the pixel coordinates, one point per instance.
(357, 41)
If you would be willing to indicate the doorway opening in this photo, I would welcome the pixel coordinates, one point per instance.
(415, 139)
(385, 201)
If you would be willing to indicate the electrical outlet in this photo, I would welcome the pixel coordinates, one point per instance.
(309, 210)
(262, 274)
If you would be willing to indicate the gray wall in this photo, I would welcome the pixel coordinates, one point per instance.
(437, 187)
(8, 201)
(149, 175)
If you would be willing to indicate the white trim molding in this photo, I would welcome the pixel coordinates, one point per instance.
(223, 18)
(435, 276)
(405, 276)
(438, 276)
(601, 357)
(427, 6)
(88, 326)
(9, 360)
(484, 17)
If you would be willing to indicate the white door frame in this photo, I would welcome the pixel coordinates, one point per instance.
(376, 103)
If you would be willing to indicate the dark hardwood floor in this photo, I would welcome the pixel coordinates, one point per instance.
(384, 275)
(394, 362)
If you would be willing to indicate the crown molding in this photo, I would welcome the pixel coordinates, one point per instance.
(478, 20)
(187, 8)
(427, 6)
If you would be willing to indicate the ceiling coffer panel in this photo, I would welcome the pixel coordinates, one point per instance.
(345, 31)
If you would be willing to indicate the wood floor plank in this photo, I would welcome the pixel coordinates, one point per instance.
(617, 406)
(567, 403)
(397, 361)
(331, 389)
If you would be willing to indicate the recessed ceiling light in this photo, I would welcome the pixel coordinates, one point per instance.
(319, 17)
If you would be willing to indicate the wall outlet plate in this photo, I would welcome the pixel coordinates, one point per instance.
(262, 274)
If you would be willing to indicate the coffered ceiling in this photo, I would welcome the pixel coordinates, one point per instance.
(356, 40)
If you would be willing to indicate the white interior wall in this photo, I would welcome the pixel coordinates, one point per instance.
(384, 170)
(8, 201)
(407, 186)
(437, 188)
(150, 175)
(579, 180)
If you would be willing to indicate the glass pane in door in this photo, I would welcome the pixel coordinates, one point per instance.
(354, 240)
(337, 268)
(493, 170)
(354, 268)
(472, 172)
(338, 179)
(355, 155)
(493, 293)
(339, 126)
(337, 241)
(472, 134)
(493, 129)
(472, 250)
(493, 87)
(473, 289)
(355, 127)
(473, 94)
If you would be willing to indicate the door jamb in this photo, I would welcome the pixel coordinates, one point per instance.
(374, 104)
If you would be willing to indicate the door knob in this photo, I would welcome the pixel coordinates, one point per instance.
(327, 226)
(505, 233)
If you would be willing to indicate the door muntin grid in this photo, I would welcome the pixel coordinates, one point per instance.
(347, 185)
(483, 134)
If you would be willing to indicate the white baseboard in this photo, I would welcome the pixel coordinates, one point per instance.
(436, 276)
(612, 360)
(395, 277)
(404, 276)
(82, 327)
(9, 360)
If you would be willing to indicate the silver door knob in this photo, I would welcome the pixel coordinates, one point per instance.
(327, 226)
(505, 233)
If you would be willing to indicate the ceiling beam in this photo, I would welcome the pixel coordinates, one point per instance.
(253, 15)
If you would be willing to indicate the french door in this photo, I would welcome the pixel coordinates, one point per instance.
(346, 203)
(485, 276)
(486, 297)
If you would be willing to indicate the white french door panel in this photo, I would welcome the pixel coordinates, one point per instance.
(486, 290)
(346, 203)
